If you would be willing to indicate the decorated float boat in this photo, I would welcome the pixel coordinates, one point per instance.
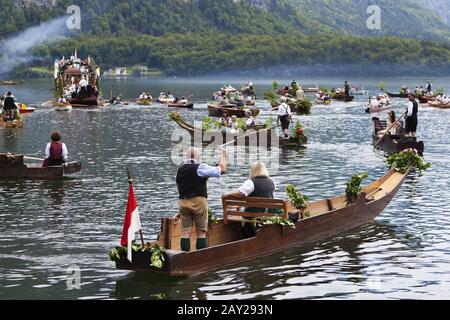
(438, 104)
(13, 167)
(67, 76)
(228, 245)
(342, 97)
(11, 124)
(393, 143)
(256, 137)
(144, 101)
(215, 110)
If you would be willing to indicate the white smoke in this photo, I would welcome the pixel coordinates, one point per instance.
(17, 50)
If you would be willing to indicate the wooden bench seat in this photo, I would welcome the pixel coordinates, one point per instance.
(234, 208)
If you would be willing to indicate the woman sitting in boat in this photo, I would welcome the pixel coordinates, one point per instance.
(396, 129)
(233, 125)
(56, 152)
(250, 121)
(258, 185)
(183, 101)
(143, 95)
(225, 119)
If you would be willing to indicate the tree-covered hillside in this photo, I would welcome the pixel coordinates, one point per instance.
(198, 36)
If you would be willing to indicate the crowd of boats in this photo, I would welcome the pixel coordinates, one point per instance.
(77, 85)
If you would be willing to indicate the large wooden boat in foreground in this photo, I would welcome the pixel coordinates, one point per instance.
(260, 136)
(13, 167)
(228, 246)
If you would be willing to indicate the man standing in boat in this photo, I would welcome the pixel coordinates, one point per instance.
(56, 152)
(284, 116)
(10, 107)
(192, 177)
(429, 87)
(347, 89)
(411, 117)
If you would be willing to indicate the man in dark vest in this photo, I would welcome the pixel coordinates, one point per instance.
(411, 117)
(347, 89)
(10, 107)
(56, 152)
(192, 177)
(429, 87)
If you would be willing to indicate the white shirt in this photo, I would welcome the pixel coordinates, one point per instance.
(410, 108)
(183, 101)
(143, 96)
(375, 103)
(284, 109)
(250, 122)
(247, 188)
(83, 83)
(64, 151)
(73, 88)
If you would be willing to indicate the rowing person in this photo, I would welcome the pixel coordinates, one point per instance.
(9, 106)
(347, 89)
(56, 152)
(192, 177)
(284, 116)
(411, 117)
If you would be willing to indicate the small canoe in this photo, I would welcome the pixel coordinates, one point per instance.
(342, 97)
(426, 99)
(25, 109)
(232, 110)
(437, 104)
(144, 102)
(393, 143)
(189, 105)
(88, 102)
(397, 95)
(228, 245)
(13, 167)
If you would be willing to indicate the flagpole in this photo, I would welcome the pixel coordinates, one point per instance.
(130, 182)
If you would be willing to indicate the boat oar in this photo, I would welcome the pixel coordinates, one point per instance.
(130, 182)
(32, 158)
(387, 130)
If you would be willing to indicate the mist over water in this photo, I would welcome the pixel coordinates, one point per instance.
(17, 50)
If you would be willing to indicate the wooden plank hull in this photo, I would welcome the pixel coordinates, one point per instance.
(216, 111)
(13, 167)
(343, 97)
(83, 102)
(270, 239)
(396, 95)
(180, 105)
(390, 145)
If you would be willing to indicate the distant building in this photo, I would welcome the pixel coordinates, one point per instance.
(116, 72)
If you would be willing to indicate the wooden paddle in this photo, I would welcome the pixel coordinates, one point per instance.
(32, 158)
(387, 130)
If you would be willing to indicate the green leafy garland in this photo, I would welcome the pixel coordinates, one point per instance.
(304, 106)
(266, 221)
(270, 123)
(157, 259)
(354, 187)
(212, 218)
(401, 161)
(210, 124)
(299, 200)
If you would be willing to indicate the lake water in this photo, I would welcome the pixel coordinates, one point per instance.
(49, 227)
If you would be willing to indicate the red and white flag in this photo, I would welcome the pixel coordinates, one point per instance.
(132, 223)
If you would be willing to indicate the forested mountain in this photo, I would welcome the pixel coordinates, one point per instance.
(195, 36)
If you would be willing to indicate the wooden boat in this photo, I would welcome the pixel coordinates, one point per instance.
(257, 137)
(13, 167)
(311, 90)
(393, 143)
(358, 91)
(426, 99)
(292, 105)
(165, 100)
(72, 71)
(231, 109)
(342, 97)
(228, 246)
(189, 105)
(437, 104)
(397, 95)
(11, 124)
(144, 102)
